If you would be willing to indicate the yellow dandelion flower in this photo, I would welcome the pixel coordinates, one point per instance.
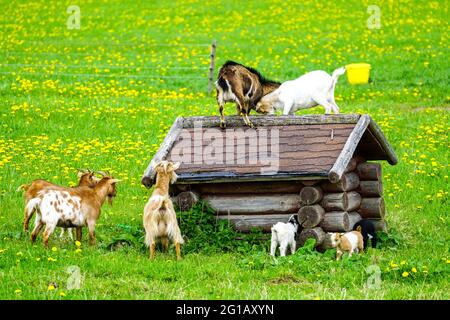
(414, 270)
(78, 243)
(51, 287)
(54, 249)
(405, 274)
(316, 298)
(17, 291)
(62, 294)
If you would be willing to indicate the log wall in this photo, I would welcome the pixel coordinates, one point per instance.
(322, 206)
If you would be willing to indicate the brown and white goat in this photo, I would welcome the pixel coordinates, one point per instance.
(86, 178)
(71, 208)
(243, 85)
(160, 219)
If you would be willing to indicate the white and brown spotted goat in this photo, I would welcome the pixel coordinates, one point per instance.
(160, 219)
(243, 85)
(70, 208)
(86, 178)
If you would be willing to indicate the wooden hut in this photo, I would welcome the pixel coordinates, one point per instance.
(324, 171)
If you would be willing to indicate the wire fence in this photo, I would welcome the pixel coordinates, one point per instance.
(194, 72)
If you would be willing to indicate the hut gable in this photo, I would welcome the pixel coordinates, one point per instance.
(304, 147)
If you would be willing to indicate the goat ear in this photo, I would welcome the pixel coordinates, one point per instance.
(115, 180)
(176, 165)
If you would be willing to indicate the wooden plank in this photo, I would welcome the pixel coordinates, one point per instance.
(244, 223)
(149, 174)
(253, 204)
(390, 153)
(236, 121)
(221, 177)
(245, 187)
(347, 152)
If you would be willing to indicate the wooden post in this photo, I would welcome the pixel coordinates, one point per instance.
(211, 66)
(310, 195)
(315, 233)
(336, 221)
(343, 201)
(310, 216)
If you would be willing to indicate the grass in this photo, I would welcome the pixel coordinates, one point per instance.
(114, 116)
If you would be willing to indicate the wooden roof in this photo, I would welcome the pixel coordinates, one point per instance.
(309, 147)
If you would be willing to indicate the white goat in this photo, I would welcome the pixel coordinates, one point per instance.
(160, 219)
(283, 234)
(312, 89)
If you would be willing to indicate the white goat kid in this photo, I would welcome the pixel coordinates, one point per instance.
(312, 89)
(283, 235)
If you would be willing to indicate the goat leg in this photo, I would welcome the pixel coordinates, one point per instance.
(79, 233)
(165, 243)
(152, 250)
(178, 250)
(36, 230)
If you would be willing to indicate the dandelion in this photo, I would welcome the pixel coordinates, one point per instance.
(50, 259)
(62, 294)
(405, 274)
(414, 270)
(78, 250)
(17, 291)
(51, 287)
(316, 298)
(54, 249)
(78, 243)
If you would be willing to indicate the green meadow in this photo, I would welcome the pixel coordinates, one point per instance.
(103, 97)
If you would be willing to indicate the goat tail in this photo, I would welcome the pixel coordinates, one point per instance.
(338, 72)
(23, 187)
(32, 205)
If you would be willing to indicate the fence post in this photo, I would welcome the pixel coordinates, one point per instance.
(211, 67)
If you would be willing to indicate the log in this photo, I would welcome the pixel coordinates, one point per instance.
(370, 188)
(348, 182)
(310, 216)
(380, 225)
(326, 243)
(372, 208)
(369, 171)
(310, 195)
(343, 201)
(336, 221)
(316, 233)
(244, 223)
(353, 217)
(253, 203)
(186, 200)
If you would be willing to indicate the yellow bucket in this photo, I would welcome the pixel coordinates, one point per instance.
(358, 73)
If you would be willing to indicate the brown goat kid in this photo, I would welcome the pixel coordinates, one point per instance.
(72, 207)
(160, 219)
(86, 179)
(243, 85)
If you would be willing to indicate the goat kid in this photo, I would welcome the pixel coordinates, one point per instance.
(312, 89)
(283, 235)
(160, 220)
(86, 178)
(367, 229)
(351, 242)
(70, 208)
(243, 85)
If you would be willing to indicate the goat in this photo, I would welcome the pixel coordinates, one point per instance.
(351, 242)
(283, 234)
(243, 85)
(367, 229)
(86, 178)
(312, 89)
(160, 220)
(71, 207)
